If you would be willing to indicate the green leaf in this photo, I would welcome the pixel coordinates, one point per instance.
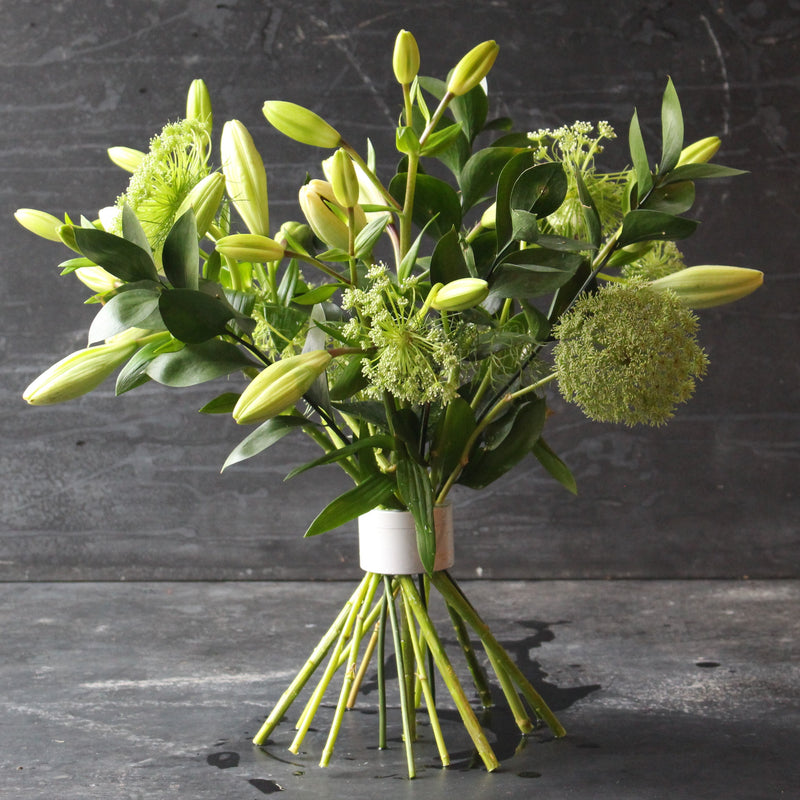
(406, 140)
(410, 258)
(181, 254)
(533, 272)
(264, 436)
(319, 294)
(641, 164)
(197, 363)
(136, 308)
(540, 189)
(674, 198)
(123, 259)
(505, 183)
(416, 492)
(671, 129)
(480, 173)
(369, 494)
(696, 172)
(454, 428)
(486, 466)
(370, 411)
(134, 373)
(643, 225)
(132, 229)
(447, 260)
(194, 316)
(221, 404)
(440, 140)
(380, 442)
(436, 203)
(594, 227)
(369, 235)
(524, 226)
(554, 465)
(349, 379)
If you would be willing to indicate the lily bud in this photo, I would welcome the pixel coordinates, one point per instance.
(300, 124)
(97, 279)
(700, 151)
(489, 217)
(126, 158)
(250, 247)
(39, 222)
(280, 386)
(461, 294)
(344, 180)
(204, 200)
(198, 104)
(317, 202)
(473, 68)
(405, 59)
(295, 235)
(708, 286)
(78, 373)
(245, 176)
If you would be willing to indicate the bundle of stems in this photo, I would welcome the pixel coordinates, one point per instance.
(400, 610)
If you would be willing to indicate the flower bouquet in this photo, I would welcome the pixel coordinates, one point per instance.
(409, 326)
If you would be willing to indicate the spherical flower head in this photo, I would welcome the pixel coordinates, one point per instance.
(660, 259)
(629, 354)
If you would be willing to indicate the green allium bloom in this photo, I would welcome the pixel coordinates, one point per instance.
(176, 162)
(628, 353)
(662, 259)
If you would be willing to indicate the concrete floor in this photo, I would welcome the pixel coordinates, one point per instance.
(668, 689)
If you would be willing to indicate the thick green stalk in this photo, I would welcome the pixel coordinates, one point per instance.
(387, 599)
(475, 669)
(449, 674)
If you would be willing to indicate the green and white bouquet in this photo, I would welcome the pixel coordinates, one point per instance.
(409, 325)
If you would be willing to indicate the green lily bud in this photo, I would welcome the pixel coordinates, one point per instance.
(317, 202)
(489, 217)
(700, 151)
(405, 59)
(280, 386)
(78, 373)
(344, 180)
(198, 104)
(300, 124)
(461, 294)
(39, 222)
(473, 68)
(204, 200)
(708, 286)
(97, 279)
(126, 158)
(245, 176)
(250, 247)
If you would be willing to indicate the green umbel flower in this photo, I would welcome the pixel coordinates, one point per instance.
(628, 353)
(658, 260)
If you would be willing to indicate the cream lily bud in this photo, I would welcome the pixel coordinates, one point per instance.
(204, 199)
(405, 59)
(489, 217)
(700, 151)
(317, 202)
(126, 158)
(78, 373)
(39, 222)
(280, 386)
(300, 124)
(250, 247)
(460, 294)
(245, 176)
(344, 180)
(97, 279)
(473, 68)
(198, 104)
(292, 235)
(707, 286)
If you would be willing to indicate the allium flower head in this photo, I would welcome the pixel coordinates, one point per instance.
(628, 353)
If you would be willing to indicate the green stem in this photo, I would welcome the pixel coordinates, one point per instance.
(387, 598)
(448, 673)
(475, 669)
(321, 265)
(408, 205)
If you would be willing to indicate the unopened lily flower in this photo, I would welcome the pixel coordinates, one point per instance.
(280, 386)
(460, 294)
(204, 199)
(127, 158)
(405, 58)
(245, 176)
(250, 247)
(301, 124)
(344, 180)
(699, 152)
(39, 222)
(198, 104)
(710, 285)
(97, 279)
(318, 203)
(473, 68)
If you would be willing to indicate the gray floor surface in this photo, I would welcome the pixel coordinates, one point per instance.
(148, 690)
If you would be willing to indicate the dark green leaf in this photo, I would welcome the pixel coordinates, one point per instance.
(540, 189)
(642, 225)
(369, 494)
(123, 259)
(197, 363)
(554, 465)
(194, 316)
(696, 172)
(264, 436)
(348, 380)
(671, 129)
(369, 235)
(524, 226)
(532, 272)
(594, 227)
(440, 140)
(505, 183)
(316, 295)
(479, 175)
(368, 410)
(454, 428)
(222, 404)
(132, 229)
(134, 373)
(447, 259)
(416, 492)
(181, 254)
(410, 258)
(137, 308)
(435, 203)
(380, 442)
(673, 198)
(641, 164)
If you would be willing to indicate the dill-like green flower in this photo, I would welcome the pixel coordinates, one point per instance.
(415, 360)
(628, 353)
(662, 258)
(576, 146)
(176, 162)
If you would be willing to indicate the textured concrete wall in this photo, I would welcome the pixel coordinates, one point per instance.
(106, 488)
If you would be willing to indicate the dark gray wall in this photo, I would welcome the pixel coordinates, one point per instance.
(106, 488)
